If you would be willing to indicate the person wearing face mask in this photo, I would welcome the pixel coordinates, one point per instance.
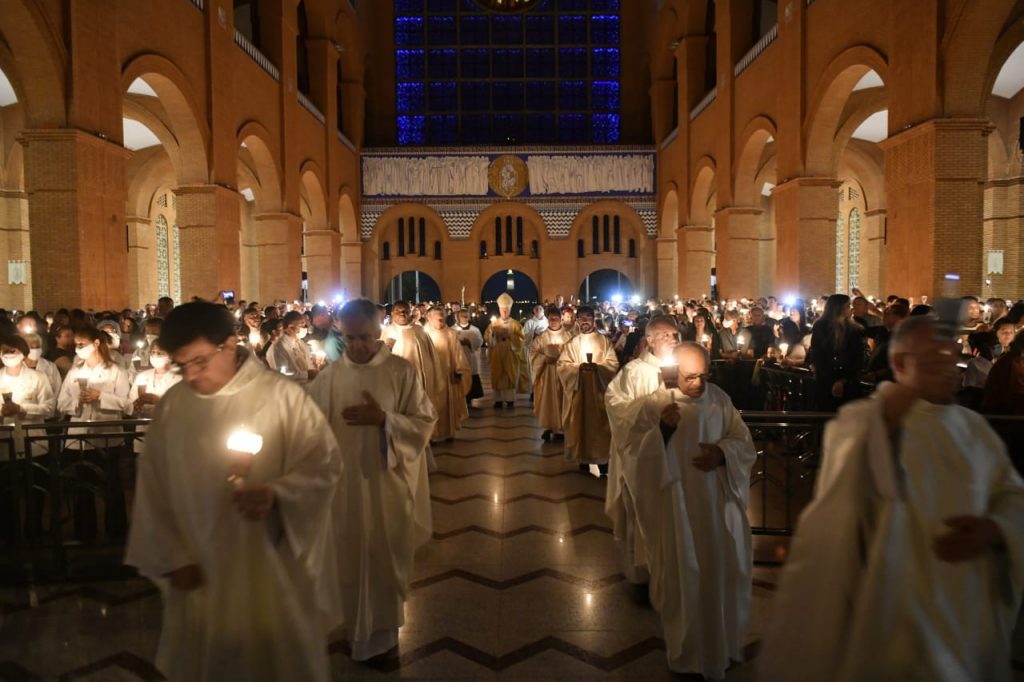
(35, 360)
(141, 349)
(26, 392)
(96, 389)
(151, 384)
(113, 332)
(290, 354)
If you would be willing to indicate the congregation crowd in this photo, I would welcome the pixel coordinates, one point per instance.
(307, 485)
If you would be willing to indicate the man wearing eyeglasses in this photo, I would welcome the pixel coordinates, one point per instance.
(677, 491)
(235, 538)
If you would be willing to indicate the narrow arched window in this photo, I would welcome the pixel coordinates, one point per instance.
(534, 249)
(508, 233)
(412, 236)
(437, 250)
(632, 248)
(386, 251)
(519, 236)
(579, 248)
(423, 237)
(483, 248)
(596, 223)
(607, 235)
(497, 236)
(401, 237)
(617, 236)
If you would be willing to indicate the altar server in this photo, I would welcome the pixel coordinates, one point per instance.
(470, 340)
(451, 408)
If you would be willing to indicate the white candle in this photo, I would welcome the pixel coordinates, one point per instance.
(242, 445)
(254, 338)
(783, 348)
(705, 338)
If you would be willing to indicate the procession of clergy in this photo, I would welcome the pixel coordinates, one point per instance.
(908, 564)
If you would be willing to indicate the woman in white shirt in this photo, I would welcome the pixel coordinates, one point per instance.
(95, 389)
(150, 385)
(27, 394)
(36, 361)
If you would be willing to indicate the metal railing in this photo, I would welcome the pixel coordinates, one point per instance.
(199, 4)
(670, 138)
(261, 59)
(308, 105)
(345, 141)
(704, 103)
(755, 52)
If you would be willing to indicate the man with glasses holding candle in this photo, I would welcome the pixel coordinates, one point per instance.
(678, 495)
(586, 365)
(236, 537)
(376, 405)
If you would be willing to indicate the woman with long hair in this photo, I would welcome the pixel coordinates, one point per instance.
(837, 354)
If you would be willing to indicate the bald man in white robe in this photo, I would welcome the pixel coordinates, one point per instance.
(683, 460)
(378, 409)
(909, 562)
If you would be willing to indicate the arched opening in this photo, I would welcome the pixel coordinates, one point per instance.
(516, 284)
(607, 285)
(16, 289)
(412, 285)
(319, 242)
(261, 250)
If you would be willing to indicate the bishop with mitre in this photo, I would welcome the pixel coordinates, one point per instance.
(505, 355)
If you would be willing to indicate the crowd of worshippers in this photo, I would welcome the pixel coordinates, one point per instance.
(283, 487)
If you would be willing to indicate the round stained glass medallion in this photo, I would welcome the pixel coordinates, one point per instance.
(506, 5)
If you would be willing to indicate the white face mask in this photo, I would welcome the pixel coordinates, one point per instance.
(302, 333)
(158, 361)
(85, 352)
(34, 354)
(12, 359)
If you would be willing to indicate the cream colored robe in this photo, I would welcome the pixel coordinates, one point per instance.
(506, 356)
(412, 343)
(266, 602)
(452, 410)
(382, 509)
(584, 420)
(863, 595)
(547, 387)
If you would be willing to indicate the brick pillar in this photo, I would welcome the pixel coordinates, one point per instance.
(697, 249)
(323, 256)
(276, 241)
(76, 199)
(14, 246)
(210, 229)
(738, 235)
(663, 92)
(351, 269)
(1004, 217)
(142, 280)
(933, 176)
(805, 223)
(353, 109)
(872, 253)
(668, 267)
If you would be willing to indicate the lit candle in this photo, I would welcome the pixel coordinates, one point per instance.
(705, 339)
(140, 343)
(740, 340)
(242, 446)
(320, 355)
(783, 348)
(670, 372)
(143, 384)
(254, 339)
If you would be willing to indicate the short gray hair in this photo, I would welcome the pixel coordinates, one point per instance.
(696, 348)
(909, 331)
(358, 309)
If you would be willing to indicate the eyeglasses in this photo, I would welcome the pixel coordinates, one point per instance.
(199, 362)
(694, 378)
(674, 336)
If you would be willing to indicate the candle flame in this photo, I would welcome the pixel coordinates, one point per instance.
(245, 442)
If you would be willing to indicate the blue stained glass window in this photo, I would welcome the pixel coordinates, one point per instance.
(411, 97)
(409, 65)
(572, 128)
(441, 30)
(572, 63)
(604, 95)
(476, 129)
(507, 30)
(572, 5)
(412, 130)
(444, 96)
(540, 62)
(541, 129)
(540, 29)
(541, 96)
(408, 7)
(442, 129)
(476, 96)
(442, 5)
(572, 29)
(442, 64)
(606, 63)
(572, 95)
(604, 29)
(507, 63)
(409, 31)
(604, 128)
(476, 63)
(474, 30)
(604, 5)
(508, 96)
(508, 128)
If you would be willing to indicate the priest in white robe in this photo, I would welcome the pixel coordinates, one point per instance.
(410, 341)
(683, 460)
(231, 517)
(452, 409)
(377, 407)
(547, 387)
(470, 340)
(909, 562)
(533, 327)
(586, 365)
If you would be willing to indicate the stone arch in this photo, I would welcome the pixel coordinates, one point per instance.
(312, 192)
(182, 109)
(348, 222)
(26, 32)
(702, 190)
(389, 219)
(258, 154)
(970, 65)
(755, 151)
(632, 223)
(668, 218)
(485, 220)
(666, 31)
(828, 104)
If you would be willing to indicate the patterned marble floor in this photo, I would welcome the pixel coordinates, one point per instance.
(521, 582)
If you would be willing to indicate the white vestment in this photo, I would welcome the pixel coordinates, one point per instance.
(531, 329)
(267, 597)
(584, 420)
(692, 524)
(451, 409)
(472, 334)
(412, 343)
(548, 394)
(290, 356)
(382, 510)
(863, 595)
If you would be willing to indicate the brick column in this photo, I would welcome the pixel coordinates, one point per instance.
(210, 229)
(1004, 217)
(142, 280)
(353, 109)
(933, 176)
(351, 268)
(668, 267)
(697, 250)
(738, 235)
(76, 197)
(14, 245)
(872, 253)
(323, 257)
(805, 223)
(276, 241)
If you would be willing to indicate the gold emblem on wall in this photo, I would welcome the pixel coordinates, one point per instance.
(508, 176)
